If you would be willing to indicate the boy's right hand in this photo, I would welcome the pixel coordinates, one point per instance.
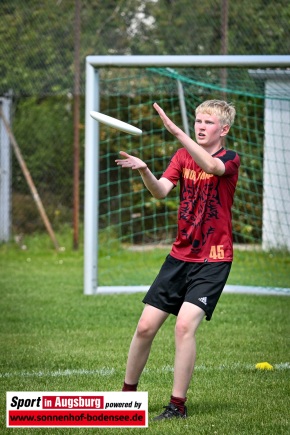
(130, 161)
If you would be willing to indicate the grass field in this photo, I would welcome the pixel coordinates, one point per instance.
(53, 338)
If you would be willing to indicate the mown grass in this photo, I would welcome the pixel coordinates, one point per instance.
(53, 338)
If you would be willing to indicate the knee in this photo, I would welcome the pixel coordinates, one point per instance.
(183, 329)
(145, 329)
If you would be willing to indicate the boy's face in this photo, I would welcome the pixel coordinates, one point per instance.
(208, 130)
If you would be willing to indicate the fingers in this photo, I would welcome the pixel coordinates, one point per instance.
(124, 154)
(130, 161)
(123, 161)
(158, 108)
(161, 113)
(126, 162)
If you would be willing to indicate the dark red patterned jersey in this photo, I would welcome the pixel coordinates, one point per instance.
(204, 214)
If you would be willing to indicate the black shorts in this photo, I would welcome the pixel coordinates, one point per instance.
(198, 283)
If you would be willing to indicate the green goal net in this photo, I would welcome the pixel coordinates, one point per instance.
(135, 230)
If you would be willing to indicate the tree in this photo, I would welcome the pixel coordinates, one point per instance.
(36, 38)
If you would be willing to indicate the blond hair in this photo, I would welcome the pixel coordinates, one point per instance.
(224, 111)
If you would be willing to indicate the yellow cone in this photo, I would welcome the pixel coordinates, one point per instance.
(264, 366)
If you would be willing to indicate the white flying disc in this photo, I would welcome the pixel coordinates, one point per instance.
(116, 123)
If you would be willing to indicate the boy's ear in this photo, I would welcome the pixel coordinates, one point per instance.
(225, 129)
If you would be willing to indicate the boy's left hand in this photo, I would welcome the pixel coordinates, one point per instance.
(168, 124)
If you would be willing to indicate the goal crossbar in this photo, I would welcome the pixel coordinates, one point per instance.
(218, 61)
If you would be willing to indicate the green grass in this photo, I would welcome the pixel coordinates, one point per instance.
(48, 328)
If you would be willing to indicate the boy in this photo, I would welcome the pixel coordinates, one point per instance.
(194, 274)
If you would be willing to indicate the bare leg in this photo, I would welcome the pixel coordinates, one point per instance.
(188, 320)
(148, 326)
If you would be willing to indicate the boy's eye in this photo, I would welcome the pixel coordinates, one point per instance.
(199, 121)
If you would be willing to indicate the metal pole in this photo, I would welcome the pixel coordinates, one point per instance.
(183, 108)
(213, 61)
(91, 182)
(5, 174)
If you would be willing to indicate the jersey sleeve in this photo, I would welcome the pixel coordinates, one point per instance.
(172, 173)
(231, 161)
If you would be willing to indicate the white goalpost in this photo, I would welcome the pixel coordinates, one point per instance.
(92, 140)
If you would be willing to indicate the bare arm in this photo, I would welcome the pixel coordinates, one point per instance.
(208, 163)
(158, 188)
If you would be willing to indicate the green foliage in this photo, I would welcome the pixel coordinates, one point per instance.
(254, 27)
(43, 129)
(37, 38)
(45, 154)
(36, 47)
(199, 27)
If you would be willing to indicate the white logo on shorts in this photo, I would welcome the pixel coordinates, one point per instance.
(203, 300)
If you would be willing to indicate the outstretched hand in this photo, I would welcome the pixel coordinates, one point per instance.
(168, 124)
(130, 161)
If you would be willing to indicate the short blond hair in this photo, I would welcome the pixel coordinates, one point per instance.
(224, 111)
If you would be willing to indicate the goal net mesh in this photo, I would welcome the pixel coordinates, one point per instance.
(131, 221)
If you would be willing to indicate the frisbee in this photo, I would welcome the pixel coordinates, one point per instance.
(116, 123)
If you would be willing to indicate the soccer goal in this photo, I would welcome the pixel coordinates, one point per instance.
(121, 218)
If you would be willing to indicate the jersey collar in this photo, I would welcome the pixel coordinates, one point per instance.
(217, 152)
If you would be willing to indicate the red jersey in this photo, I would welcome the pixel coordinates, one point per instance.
(204, 214)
